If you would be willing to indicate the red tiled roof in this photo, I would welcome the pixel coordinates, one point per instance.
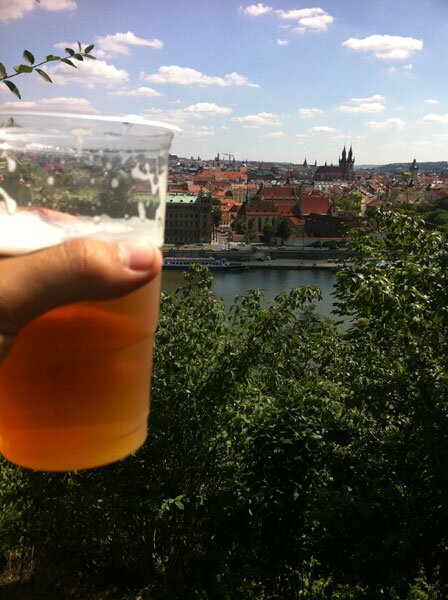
(249, 186)
(314, 204)
(193, 188)
(216, 175)
(278, 192)
(268, 208)
(296, 221)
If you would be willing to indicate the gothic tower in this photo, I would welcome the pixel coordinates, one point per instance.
(346, 164)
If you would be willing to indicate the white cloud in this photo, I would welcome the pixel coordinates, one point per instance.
(371, 104)
(389, 124)
(16, 9)
(140, 91)
(261, 119)
(199, 131)
(431, 101)
(315, 18)
(320, 23)
(177, 75)
(434, 118)
(57, 5)
(118, 44)
(90, 74)
(323, 129)
(363, 107)
(61, 103)
(299, 13)
(282, 42)
(307, 113)
(307, 18)
(274, 135)
(408, 67)
(184, 117)
(374, 98)
(10, 11)
(386, 47)
(302, 135)
(208, 108)
(256, 10)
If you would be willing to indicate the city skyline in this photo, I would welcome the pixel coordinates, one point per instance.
(268, 81)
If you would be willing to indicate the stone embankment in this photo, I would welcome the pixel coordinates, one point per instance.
(269, 258)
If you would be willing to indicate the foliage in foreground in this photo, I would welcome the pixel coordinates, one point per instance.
(287, 457)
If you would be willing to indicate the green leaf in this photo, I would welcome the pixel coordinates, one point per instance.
(28, 56)
(70, 51)
(89, 48)
(78, 56)
(44, 75)
(67, 61)
(179, 504)
(13, 88)
(90, 56)
(23, 69)
(50, 57)
(79, 46)
(2, 70)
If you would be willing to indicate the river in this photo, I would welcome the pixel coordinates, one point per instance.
(229, 284)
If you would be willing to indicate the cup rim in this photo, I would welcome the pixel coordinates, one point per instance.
(113, 118)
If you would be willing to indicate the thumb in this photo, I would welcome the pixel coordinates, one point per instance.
(76, 270)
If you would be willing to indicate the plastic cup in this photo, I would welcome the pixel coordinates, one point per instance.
(74, 390)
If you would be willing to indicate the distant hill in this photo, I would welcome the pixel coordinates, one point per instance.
(423, 167)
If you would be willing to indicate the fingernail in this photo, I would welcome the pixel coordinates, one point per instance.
(137, 257)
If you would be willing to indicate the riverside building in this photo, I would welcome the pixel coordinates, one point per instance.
(188, 219)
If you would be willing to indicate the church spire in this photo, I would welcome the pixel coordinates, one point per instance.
(350, 154)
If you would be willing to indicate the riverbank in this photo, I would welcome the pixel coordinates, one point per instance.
(267, 258)
(292, 264)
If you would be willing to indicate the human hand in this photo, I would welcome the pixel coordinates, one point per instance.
(77, 270)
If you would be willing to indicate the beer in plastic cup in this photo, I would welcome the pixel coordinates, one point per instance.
(74, 389)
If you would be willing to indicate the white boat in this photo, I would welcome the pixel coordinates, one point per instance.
(214, 264)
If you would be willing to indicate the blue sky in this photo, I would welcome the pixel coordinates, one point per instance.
(272, 80)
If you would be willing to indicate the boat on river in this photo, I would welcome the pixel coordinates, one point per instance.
(214, 264)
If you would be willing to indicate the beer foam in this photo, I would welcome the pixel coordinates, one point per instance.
(29, 230)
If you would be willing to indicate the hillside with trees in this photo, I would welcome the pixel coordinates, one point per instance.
(286, 458)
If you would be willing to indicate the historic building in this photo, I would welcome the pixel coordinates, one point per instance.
(258, 213)
(344, 172)
(413, 168)
(189, 219)
(219, 175)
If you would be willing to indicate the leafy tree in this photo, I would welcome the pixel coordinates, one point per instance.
(287, 457)
(350, 204)
(239, 226)
(267, 234)
(442, 203)
(216, 217)
(283, 230)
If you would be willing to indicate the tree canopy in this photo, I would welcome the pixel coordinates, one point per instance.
(287, 457)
